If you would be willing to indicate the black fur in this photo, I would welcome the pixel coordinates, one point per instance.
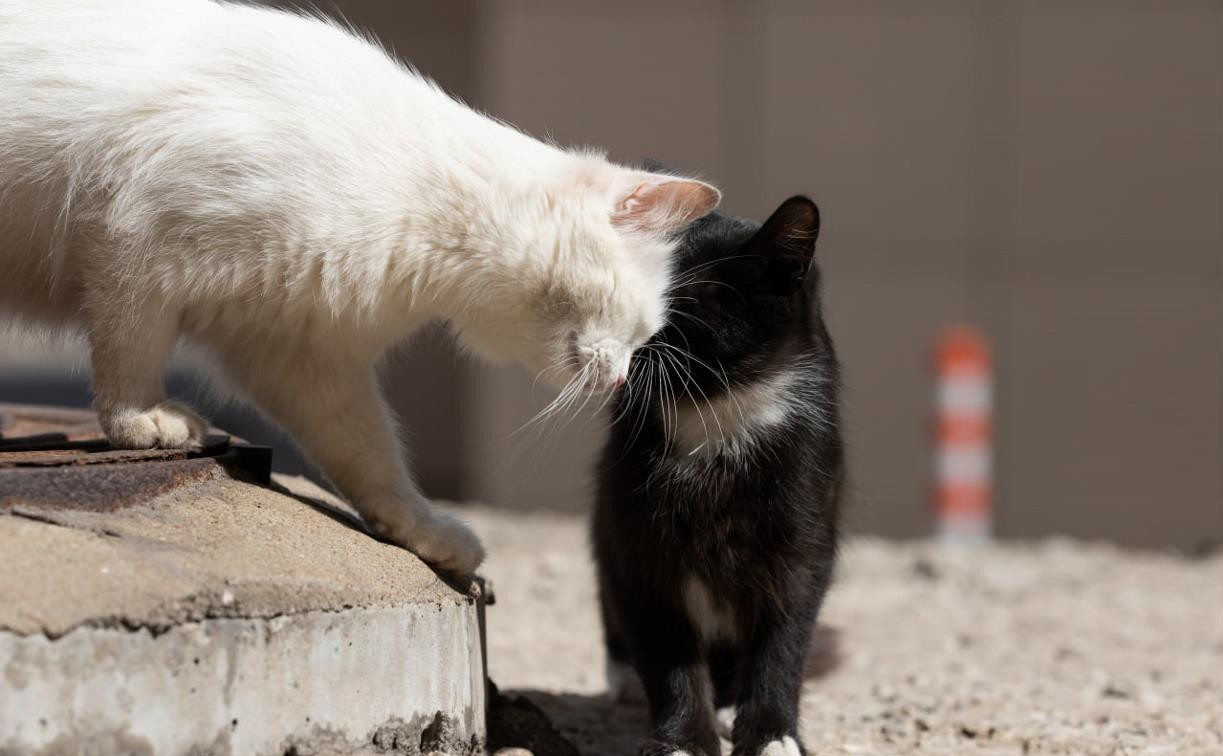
(756, 524)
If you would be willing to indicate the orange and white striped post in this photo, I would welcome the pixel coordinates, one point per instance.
(964, 436)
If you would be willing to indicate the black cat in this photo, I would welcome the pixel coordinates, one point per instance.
(715, 523)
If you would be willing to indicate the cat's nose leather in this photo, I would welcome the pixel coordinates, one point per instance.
(619, 382)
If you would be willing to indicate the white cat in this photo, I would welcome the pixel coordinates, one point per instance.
(286, 196)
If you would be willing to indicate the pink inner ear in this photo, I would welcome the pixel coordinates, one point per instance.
(665, 204)
(633, 200)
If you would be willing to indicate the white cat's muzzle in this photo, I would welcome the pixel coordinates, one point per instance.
(605, 364)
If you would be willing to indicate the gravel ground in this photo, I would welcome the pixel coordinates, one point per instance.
(1052, 647)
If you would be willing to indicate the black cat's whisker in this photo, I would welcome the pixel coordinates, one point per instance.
(685, 378)
(697, 405)
(695, 319)
(730, 392)
(738, 293)
(656, 379)
(690, 273)
(644, 406)
(670, 394)
(674, 401)
(720, 374)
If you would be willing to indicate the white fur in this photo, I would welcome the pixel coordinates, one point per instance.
(729, 421)
(724, 720)
(787, 746)
(711, 618)
(284, 195)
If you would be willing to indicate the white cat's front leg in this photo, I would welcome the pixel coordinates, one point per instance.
(434, 536)
(338, 415)
(129, 348)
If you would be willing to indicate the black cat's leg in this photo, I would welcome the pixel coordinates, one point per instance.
(766, 715)
(668, 659)
(724, 663)
(622, 681)
(724, 671)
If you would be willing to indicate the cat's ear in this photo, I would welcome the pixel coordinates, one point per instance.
(788, 237)
(662, 204)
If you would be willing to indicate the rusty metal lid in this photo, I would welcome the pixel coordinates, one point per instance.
(59, 457)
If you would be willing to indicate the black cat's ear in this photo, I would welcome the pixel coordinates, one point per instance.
(788, 237)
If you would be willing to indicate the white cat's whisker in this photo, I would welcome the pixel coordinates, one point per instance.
(558, 365)
(554, 406)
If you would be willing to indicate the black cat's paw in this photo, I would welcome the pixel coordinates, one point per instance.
(659, 748)
(785, 745)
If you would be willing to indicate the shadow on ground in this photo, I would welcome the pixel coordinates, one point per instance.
(597, 726)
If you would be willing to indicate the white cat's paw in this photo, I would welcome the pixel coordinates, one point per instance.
(168, 425)
(787, 746)
(442, 541)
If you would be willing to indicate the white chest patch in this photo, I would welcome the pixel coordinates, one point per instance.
(728, 422)
(712, 619)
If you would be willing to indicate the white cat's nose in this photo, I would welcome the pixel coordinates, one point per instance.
(608, 363)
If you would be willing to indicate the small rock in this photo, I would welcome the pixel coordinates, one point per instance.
(1112, 691)
(924, 568)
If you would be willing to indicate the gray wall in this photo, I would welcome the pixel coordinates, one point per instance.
(1051, 171)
